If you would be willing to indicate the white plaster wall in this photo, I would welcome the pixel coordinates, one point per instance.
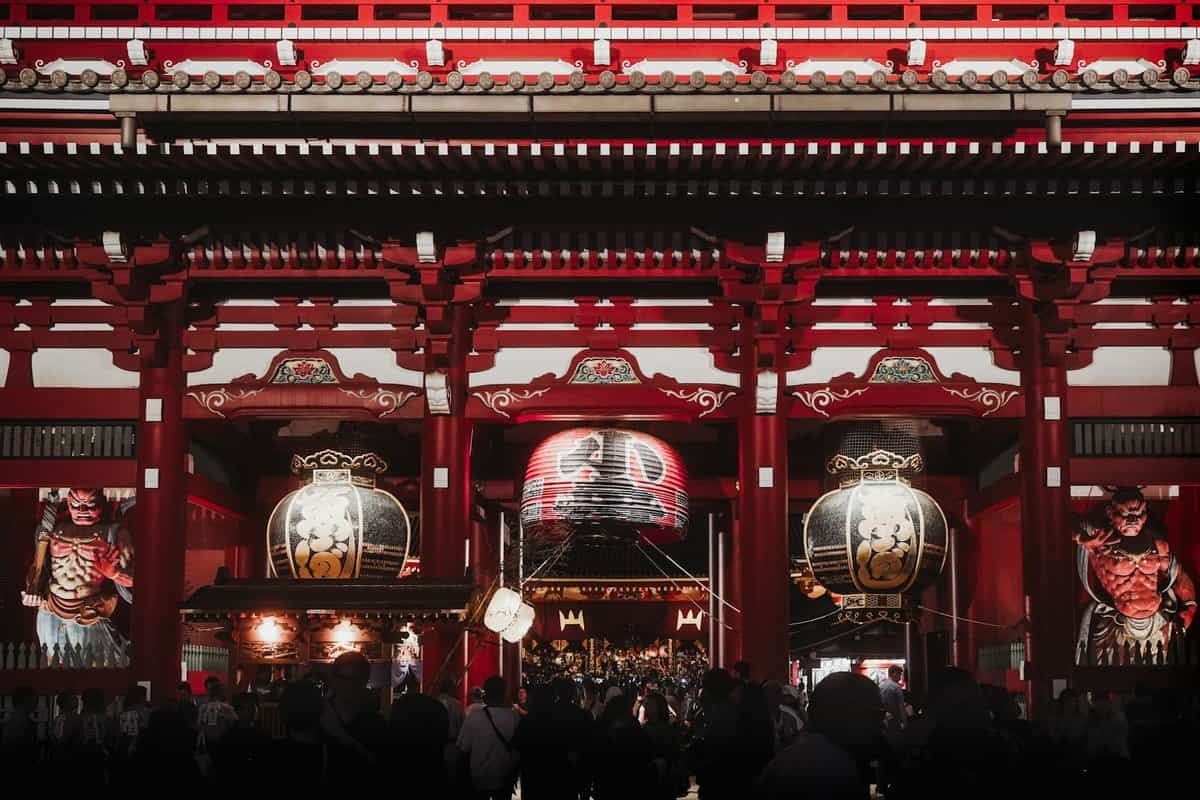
(1125, 366)
(232, 363)
(90, 368)
(978, 363)
(521, 365)
(375, 362)
(829, 362)
(684, 364)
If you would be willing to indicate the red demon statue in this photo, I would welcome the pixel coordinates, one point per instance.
(83, 562)
(1141, 598)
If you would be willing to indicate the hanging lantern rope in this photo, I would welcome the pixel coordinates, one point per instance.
(857, 626)
(707, 588)
(550, 561)
(658, 567)
(835, 612)
(968, 619)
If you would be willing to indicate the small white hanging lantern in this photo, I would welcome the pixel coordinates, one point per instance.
(520, 626)
(501, 610)
(508, 615)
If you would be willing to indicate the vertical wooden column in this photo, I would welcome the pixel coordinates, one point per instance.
(446, 498)
(18, 623)
(483, 652)
(159, 524)
(761, 546)
(1048, 554)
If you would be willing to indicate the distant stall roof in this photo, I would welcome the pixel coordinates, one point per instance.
(409, 598)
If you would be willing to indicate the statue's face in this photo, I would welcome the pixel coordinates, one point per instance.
(85, 506)
(1129, 517)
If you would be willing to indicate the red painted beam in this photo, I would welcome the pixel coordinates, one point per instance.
(36, 473)
(67, 403)
(1111, 471)
(1134, 401)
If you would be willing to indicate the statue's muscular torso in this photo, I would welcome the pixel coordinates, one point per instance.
(1129, 571)
(81, 559)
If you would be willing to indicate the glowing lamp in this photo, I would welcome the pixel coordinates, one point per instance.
(339, 525)
(269, 631)
(605, 483)
(343, 633)
(508, 615)
(875, 540)
(520, 626)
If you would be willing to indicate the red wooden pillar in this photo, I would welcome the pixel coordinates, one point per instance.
(446, 497)
(483, 652)
(761, 550)
(18, 623)
(1048, 553)
(159, 524)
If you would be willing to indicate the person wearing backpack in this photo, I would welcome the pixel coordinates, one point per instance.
(486, 741)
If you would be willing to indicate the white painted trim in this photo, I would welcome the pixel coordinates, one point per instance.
(694, 32)
(52, 104)
(684, 67)
(1133, 103)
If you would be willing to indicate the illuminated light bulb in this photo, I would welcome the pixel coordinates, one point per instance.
(269, 631)
(343, 632)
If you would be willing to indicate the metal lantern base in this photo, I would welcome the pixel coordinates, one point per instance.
(864, 608)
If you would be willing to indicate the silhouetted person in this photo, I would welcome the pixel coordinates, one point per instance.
(543, 748)
(714, 752)
(18, 737)
(242, 757)
(958, 751)
(301, 758)
(830, 759)
(166, 753)
(419, 727)
(575, 725)
(487, 740)
(892, 695)
(666, 739)
(355, 731)
(67, 730)
(622, 754)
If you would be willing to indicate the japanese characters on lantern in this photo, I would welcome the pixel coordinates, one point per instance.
(605, 483)
(340, 525)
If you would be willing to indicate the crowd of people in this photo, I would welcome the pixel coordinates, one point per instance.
(736, 738)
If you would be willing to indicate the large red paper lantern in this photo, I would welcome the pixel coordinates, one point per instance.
(605, 483)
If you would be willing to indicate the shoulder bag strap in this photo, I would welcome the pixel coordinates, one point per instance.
(507, 744)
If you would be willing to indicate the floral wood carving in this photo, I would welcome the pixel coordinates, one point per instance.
(602, 370)
(992, 400)
(307, 370)
(903, 369)
(707, 399)
(213, 401)
(386, 400)
(501, 399)
(819, 400)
